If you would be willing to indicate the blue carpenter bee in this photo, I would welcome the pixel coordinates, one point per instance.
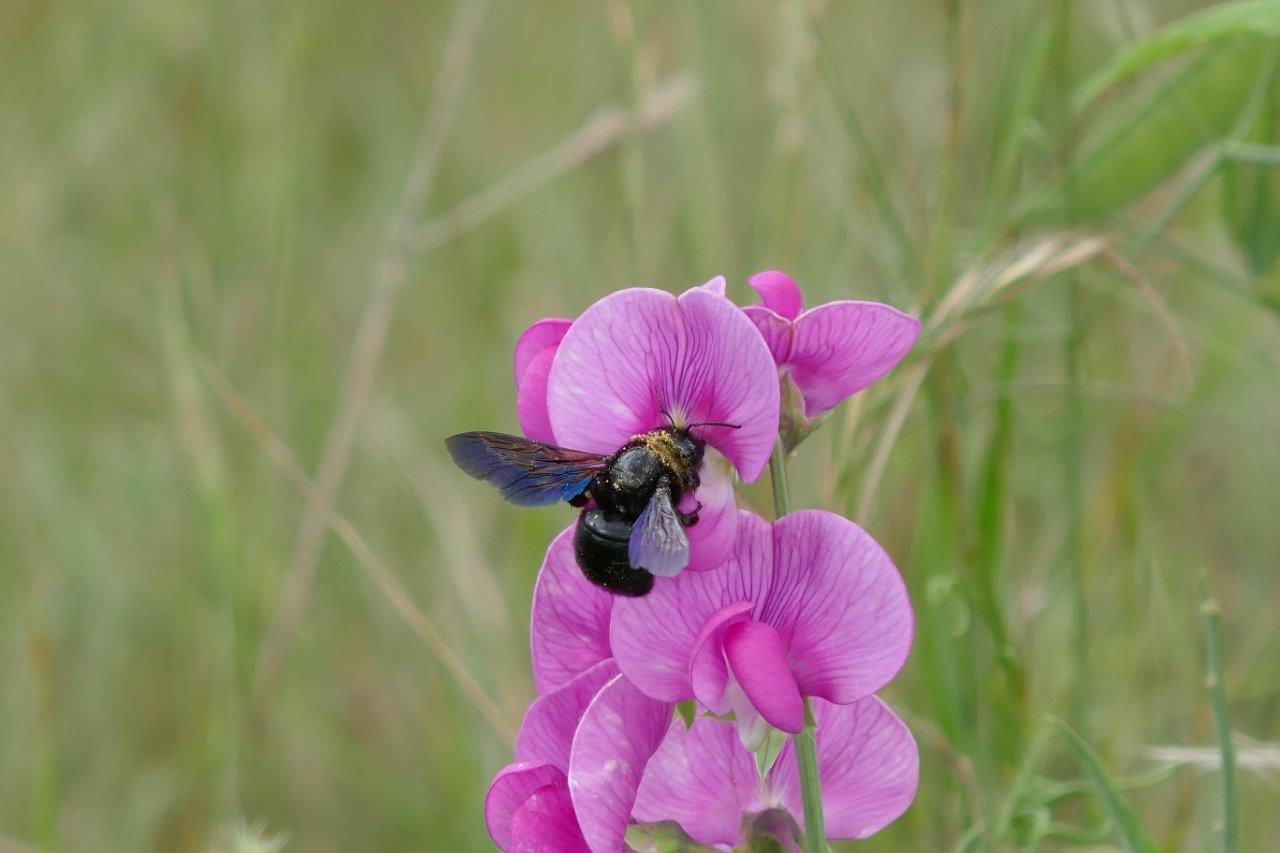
(630, 526)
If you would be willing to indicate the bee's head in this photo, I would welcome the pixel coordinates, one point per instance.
(688, 449)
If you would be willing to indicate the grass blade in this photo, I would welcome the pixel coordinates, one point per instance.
(1131, 834)
(1228, 20)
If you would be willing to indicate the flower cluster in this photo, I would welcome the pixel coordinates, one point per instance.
(769, 626)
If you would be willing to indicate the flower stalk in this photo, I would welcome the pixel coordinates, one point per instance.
(815, 830)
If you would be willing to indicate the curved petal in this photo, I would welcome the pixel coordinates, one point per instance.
(842, 347)
(545, 821)
(514, 784)
(605, 383)
(839, 605)
(703, 779)
(619, 731)
(653, 637)
(547, 731)
(708, 670)
(727, 374)
(777, 331)
(758, 661)
(716, 285)
(531, 398)
(639, 353)
(778, 292)
(569, 627)
(868, 763)
(541, 336)
(711, 539)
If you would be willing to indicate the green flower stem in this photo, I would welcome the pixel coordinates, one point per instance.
(815, 827)
(778, 477)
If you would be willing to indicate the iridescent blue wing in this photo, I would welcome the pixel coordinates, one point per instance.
(658, 542)
(528, 473)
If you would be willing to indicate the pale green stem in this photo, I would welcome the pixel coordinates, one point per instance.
(1218, 698)
(778, 477)
(815, 827)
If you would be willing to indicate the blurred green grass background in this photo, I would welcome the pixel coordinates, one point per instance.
(205, 193)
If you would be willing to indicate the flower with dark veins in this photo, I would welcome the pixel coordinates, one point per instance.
(826, 354)
(810, 605)
(641, 359)
(705, 780)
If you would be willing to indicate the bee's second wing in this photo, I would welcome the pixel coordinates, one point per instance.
(658, 541)
(528, 473)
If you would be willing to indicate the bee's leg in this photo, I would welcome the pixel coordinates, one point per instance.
(598, 491)
(688, 519)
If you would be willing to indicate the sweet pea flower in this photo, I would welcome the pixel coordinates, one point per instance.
(581, 751)
(640, 359)
(569, 623)
(706, 781)
(528, 807)
(535, 350)
(826, 354)
(584, 744)
(807, 606)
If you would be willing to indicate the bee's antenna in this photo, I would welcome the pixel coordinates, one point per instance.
(662, 406)
(715, 424)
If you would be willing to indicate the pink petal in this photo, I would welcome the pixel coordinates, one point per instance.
(711, 539)
(569, 627)
(531, 398)
(619, 731)
(541, 336)
(653, 637)
(752, 727)
(868, 763)
(549, 724)
(728, 375)
(514, 784)
(702, 779)
(759, 663)
(716, 285)
(605, 383)
(545, 821)
(779, 292)
(638, 352)
(842, 347)
(839, 605)
(778, 332)
(708, 670)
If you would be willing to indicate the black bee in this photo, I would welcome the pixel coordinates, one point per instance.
(630, 526)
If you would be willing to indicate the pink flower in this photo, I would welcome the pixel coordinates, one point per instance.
(706, 781)
(580, 755)
(569, 625)
(808, 606)
(600, 742)
(598, 752)
(640, 359)
(584, 744)
(535, 351)
(528, 807)
(830, 352)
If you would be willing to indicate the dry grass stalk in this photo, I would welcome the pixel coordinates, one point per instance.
(383, 577)
(366, 351)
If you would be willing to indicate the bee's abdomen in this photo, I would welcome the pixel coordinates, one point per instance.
(600, 547)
